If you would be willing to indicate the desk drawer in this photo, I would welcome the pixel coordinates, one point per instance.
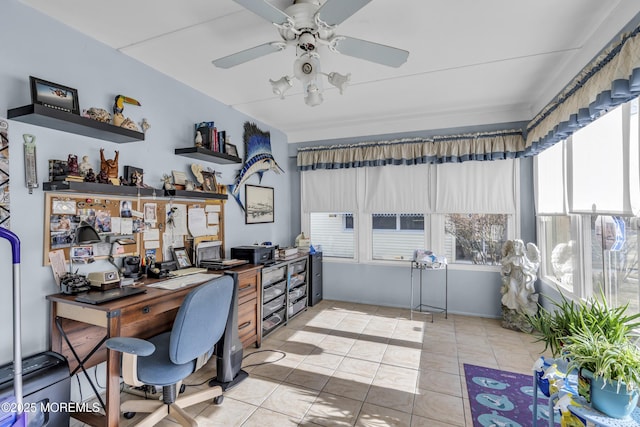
(248, 322)
(247, 287)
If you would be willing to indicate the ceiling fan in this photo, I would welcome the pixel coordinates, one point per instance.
(308, 24)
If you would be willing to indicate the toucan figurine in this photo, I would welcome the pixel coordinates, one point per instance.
(118, 106)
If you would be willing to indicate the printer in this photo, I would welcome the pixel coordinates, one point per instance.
(255, 254)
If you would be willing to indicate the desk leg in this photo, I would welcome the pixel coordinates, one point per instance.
(113, 377)
(81, 362)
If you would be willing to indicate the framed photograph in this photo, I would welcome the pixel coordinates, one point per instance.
(231, 149)
(258, 204)
(133, 175)
(53, 95)
(209, 182)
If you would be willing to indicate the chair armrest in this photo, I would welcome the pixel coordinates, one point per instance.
(130, 345)
(131, 348)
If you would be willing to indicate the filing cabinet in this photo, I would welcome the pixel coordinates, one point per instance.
(315, 278)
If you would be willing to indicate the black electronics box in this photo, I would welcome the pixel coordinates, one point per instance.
(255, 254)
(46, 386)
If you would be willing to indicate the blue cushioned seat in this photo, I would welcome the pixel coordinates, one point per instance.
(168, 358)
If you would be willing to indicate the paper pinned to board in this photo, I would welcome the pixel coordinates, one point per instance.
(213, 218)
(212, 208)
(197, 222)
(58, 264)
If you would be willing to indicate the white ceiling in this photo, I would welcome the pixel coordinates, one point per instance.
(471, 62)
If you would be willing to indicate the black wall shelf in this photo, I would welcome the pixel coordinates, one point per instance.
(126, 190)
(94, 187)
(39, 115)
(194, 194)
(205, 155)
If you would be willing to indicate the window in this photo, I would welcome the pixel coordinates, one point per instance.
(595, 249)
(395, 236)
(475, 238)
(557, 249)
(387, 212)
(328, 233)
(613, 247)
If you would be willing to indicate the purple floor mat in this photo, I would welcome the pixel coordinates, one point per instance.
(501, 398)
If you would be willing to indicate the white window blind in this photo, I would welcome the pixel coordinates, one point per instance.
(598, 166)
(549, 181)
(398, 189)
(329, 190)
(476, 187)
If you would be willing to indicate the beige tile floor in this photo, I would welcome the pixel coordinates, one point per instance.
(353, 364)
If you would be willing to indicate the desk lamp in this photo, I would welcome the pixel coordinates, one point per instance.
(121, 240)
(72, 283)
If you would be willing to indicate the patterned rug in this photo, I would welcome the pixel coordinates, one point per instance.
(501, 398)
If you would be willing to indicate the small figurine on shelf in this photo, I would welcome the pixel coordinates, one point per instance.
(72, 164)
(144, 124)
(118, 107)
(123, 181)
(90, 176)
(103, 177)
(198, 139)
(97, 114)
(136, 179)
(109, 166)
(168, 185)
(84, 166)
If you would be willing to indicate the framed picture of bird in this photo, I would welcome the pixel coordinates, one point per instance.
(54, 95)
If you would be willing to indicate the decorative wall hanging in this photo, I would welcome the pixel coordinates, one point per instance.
(4, 174)
(257, 158)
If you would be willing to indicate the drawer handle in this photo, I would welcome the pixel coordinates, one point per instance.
(245, 287)
(146, 309)
(244, 325)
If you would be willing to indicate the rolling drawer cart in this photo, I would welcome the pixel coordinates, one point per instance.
(420, 268)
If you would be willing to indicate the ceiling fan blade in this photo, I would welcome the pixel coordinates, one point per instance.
(370, 51)
(334, 12)
(248, 54)
(265, 10)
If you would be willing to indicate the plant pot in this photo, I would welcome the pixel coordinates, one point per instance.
(606, 398)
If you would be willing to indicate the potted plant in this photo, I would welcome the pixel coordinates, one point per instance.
(612, 366)
(555, 327)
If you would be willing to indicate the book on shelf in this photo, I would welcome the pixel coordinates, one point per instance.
(206, 131)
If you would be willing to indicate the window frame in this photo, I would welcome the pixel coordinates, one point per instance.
(434, 232)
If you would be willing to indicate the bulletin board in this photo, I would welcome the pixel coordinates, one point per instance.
(156, 224)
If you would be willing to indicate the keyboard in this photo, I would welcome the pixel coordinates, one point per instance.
(181, 282)
(187, 271)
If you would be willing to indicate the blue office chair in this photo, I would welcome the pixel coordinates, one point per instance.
(166, 359)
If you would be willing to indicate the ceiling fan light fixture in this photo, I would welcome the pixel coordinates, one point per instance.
(339, 80)
(281, 85)
(306, 68)
(314, 96)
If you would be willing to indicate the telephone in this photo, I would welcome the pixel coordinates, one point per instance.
(72, 284)
(131, 267)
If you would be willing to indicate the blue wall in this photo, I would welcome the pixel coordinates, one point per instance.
(33, 44)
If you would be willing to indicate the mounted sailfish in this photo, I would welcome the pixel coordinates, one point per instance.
(257, 158)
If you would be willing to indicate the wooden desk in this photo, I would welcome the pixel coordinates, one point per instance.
(87, 326)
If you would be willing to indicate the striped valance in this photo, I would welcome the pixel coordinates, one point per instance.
(611, 79)
(438, 149)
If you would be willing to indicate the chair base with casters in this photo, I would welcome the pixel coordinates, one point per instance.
(165, 360)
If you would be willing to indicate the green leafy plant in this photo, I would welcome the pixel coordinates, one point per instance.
(613, 361)
(567, 318)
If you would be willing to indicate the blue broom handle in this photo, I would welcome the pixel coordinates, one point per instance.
(17, 344)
